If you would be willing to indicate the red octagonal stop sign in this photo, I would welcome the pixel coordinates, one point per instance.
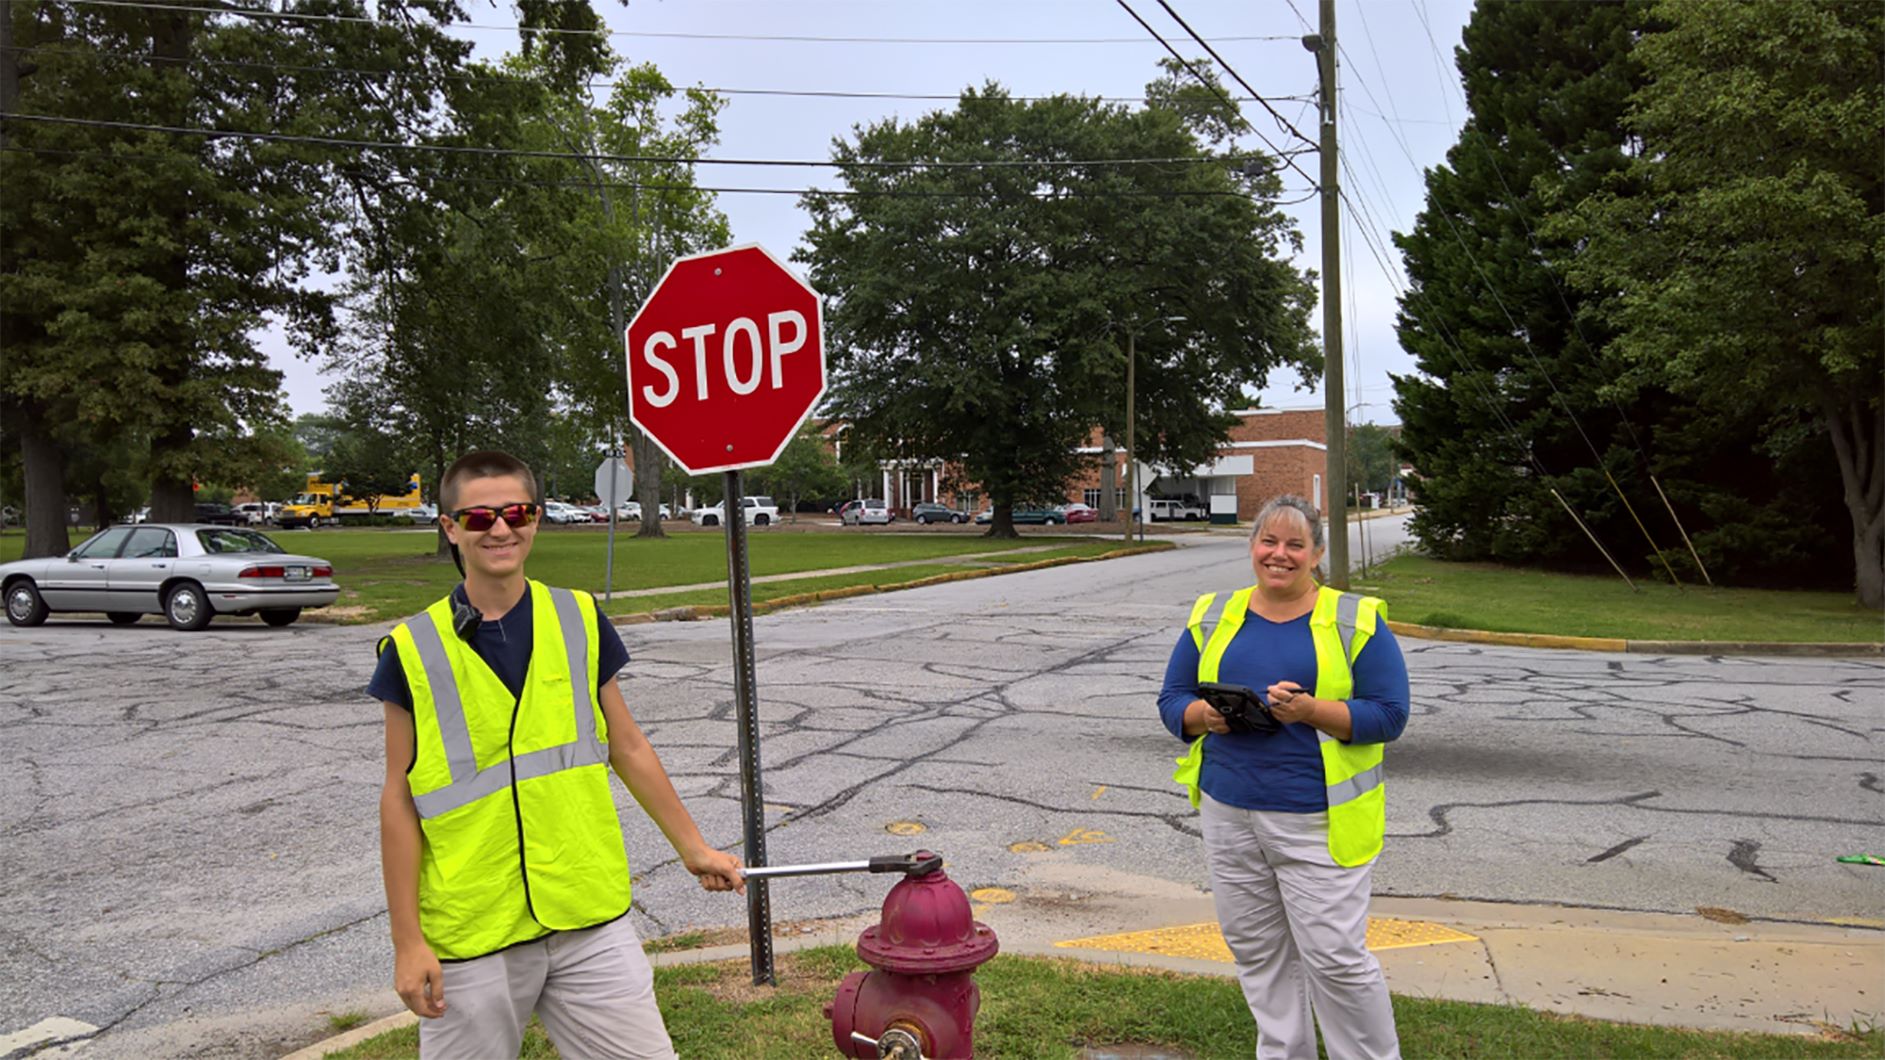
(725, 359)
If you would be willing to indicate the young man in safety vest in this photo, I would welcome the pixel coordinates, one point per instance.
(507, 881)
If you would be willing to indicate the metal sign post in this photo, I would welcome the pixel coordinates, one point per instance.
(619, 480)
(726, 359)
(746, 706)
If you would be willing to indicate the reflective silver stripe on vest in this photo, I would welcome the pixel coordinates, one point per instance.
(1347, 609)
(569, 615)
(453, 732)
(470, 783)
(1356, 786)
(493, 779)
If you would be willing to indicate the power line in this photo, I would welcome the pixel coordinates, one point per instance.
(626, 185)
(646, 34)
(512, 79)
(504, 152)
(1206, 45)
(1287, 157)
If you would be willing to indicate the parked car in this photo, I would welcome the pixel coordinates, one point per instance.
(563, 514)
(219, 514)
(867, 512)
(142, 515)
(759, 511)
(418, 513)
(927, 512)
(1024, 515)
(1078, 513)
(187, 572)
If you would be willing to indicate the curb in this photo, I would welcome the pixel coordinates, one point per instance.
(697, 612)
(1805, 649)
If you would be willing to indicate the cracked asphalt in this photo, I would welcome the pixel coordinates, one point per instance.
(189, 821)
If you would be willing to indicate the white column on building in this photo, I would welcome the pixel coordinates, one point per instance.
(887, 499)
(935, 486)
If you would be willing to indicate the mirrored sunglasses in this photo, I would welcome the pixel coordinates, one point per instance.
(483, 517)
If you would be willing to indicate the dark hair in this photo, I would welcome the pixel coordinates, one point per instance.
(483, 463)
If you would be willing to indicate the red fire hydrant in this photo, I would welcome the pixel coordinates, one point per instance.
(920, 1002)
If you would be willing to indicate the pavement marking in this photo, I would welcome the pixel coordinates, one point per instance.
(1856, 921)
(1206, 941)
(992, 895)
(46, 1030)
(905, 828)
(1029, 846)
(1085, 835)
(1101, 790)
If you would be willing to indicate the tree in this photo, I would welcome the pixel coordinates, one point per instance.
(981, 313)
(1508, 388)
(1738, 258)
(1371, 459)
(806, 468)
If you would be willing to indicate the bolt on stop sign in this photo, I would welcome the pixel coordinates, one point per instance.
(725, 359)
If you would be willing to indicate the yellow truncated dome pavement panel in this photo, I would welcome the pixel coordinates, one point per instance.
(1205, 942)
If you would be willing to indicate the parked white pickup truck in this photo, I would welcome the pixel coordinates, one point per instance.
(1166, 510)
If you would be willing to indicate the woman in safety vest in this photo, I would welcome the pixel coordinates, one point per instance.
(1291, 791)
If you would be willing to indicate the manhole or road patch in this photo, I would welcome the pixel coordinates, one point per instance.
(1206, 942)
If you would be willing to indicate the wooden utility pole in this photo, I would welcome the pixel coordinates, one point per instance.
(1335, 492)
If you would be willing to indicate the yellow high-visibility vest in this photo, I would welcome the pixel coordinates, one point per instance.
(521, 836)
(1341, 625)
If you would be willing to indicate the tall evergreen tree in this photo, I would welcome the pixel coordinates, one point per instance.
(1492, 330)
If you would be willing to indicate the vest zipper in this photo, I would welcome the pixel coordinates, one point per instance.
(517, 809)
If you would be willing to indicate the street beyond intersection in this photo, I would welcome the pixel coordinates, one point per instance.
(192, 862)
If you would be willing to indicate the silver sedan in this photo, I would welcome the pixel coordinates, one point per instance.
(187, 572)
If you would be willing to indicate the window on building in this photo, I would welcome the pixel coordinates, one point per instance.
(1091, 497)
(1119, 496)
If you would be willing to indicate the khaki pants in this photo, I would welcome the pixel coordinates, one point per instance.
(593, 990)
(1298, 925)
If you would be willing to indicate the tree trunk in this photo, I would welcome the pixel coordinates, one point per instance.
(173, 494)
(650, 462)
(44, 464)
(1857, 432)
(1001, 522)
(173, 500)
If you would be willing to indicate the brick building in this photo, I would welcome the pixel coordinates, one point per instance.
(1270, 452)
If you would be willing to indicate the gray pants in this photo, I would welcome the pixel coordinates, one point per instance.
(1297, 924)
(593, 990)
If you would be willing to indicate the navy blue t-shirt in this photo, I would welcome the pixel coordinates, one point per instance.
(1282, 771)
(504, 645)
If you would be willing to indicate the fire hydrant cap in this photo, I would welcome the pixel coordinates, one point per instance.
(927, 929)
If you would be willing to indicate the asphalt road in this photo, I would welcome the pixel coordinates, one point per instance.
(187, 822)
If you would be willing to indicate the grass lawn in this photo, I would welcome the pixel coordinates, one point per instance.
(1035, 1007)
(1515, 600)
(389, 574)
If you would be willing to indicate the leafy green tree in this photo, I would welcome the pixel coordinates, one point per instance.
(1371, 459)
(1738, 257)
(983, 312)
(805, 469)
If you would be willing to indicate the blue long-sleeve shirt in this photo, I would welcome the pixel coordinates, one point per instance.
(1282, 771)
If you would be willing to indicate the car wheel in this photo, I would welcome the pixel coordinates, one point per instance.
(187, 608)
(957, 519)
(282, 617)
(762, 520)
(24, 605)
(708, 520)
(922, 520)
(123, 618)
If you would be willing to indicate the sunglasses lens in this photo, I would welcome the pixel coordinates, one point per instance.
(519, 514)
(478, 520)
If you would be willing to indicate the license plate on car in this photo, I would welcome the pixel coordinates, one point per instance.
(294, 574)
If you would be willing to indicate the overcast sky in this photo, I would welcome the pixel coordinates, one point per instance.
(1399, 91)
